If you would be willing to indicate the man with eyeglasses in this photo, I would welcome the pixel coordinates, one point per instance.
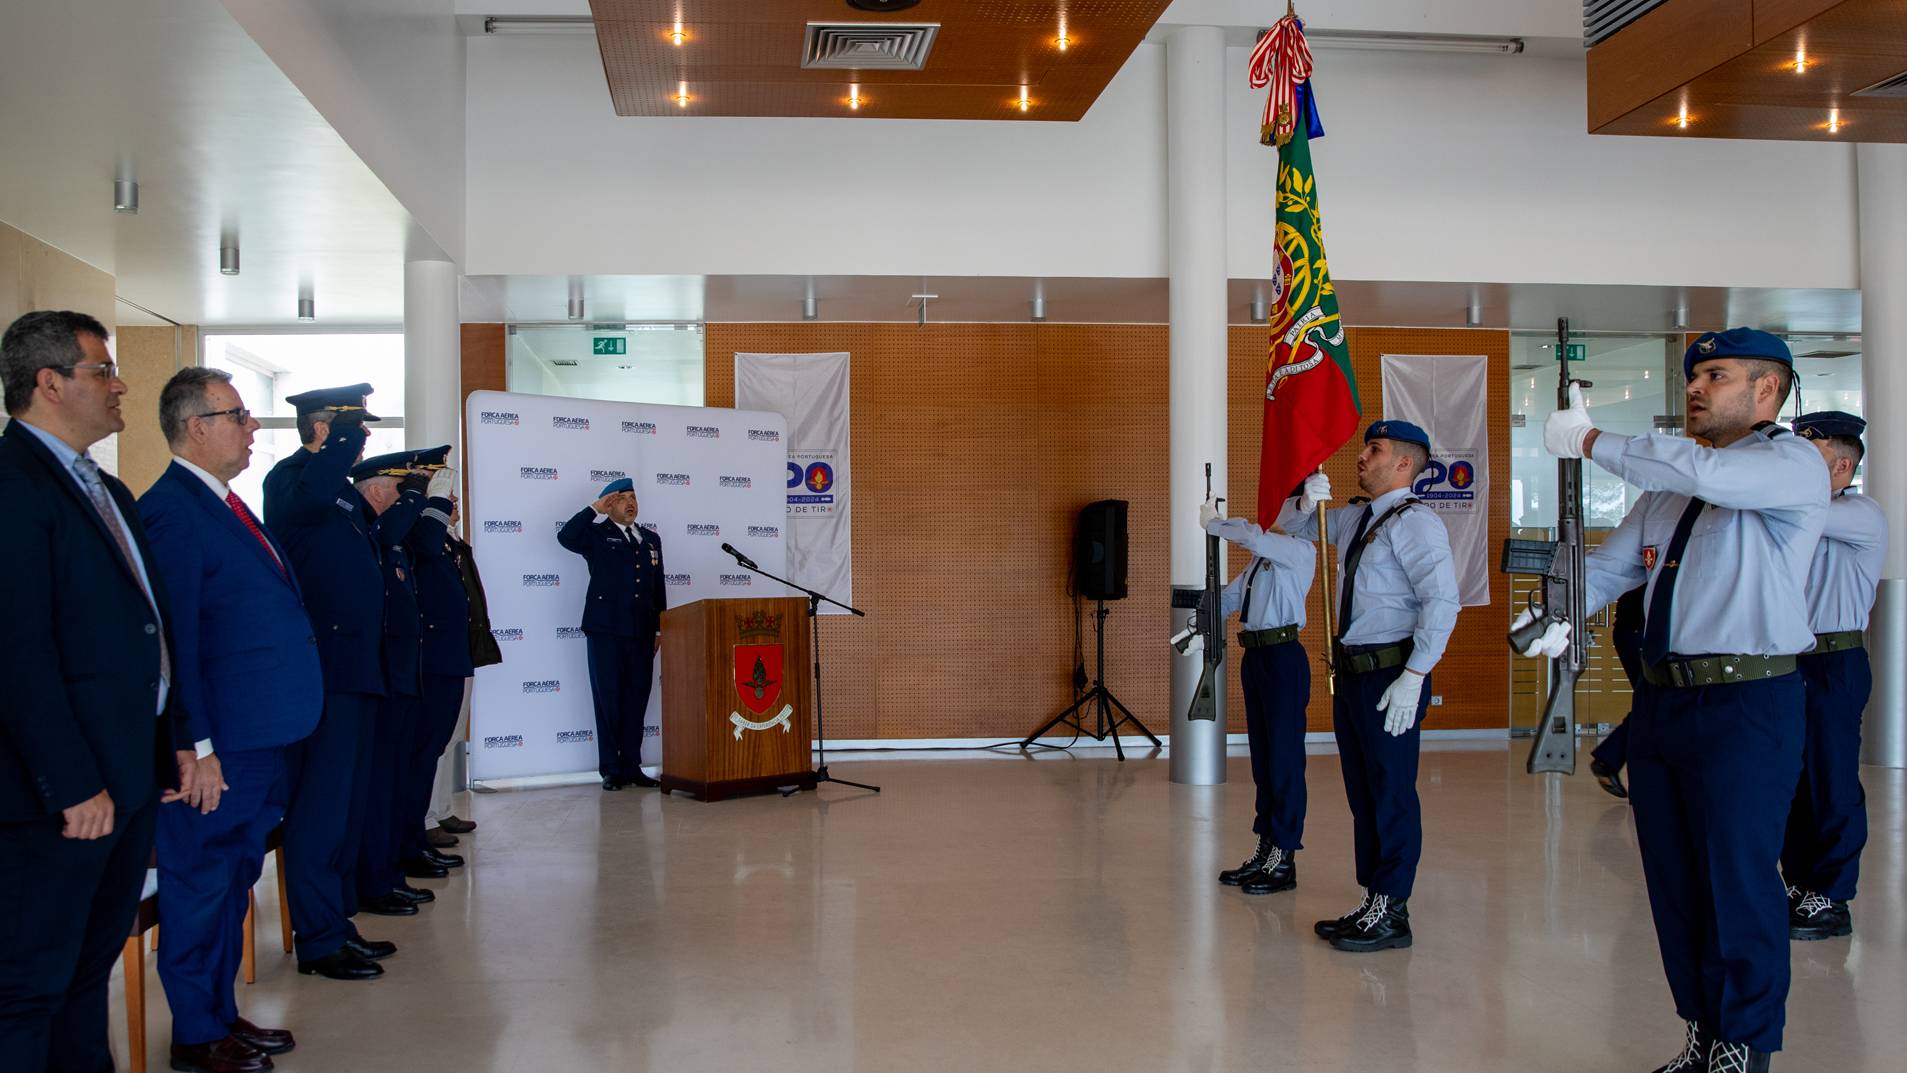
(245, 665)
(92, 726)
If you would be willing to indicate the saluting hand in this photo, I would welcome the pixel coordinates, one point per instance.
(601, 505)
(90, 819)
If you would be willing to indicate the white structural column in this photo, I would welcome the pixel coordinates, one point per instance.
(433, 360)
(1195, 259)
(1882, 175)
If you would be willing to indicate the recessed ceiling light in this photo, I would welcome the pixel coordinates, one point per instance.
(682, 97)
(882, 5)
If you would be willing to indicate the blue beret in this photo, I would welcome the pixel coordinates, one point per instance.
(335, 399)
(623, 484)
(1825, 423)
(1401, 431)
(1735, 343)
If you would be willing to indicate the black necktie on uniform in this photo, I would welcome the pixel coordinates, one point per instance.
(1251, 577)
(1352, 555)
(1655, 625)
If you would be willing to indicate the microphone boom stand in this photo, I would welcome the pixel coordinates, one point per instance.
(815, 600)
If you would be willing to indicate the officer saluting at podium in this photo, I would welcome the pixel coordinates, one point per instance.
(622, 617)
(1397, 604)
(1715, 740)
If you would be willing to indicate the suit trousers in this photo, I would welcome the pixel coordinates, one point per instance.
(1710, 772)
(437, 719)
(1827, 828)
(1277, 682)
(394, 739)
(66, 907)
(621, 670)
(1613, 751)
(207, 866)
(323, 824)
(1380, 782)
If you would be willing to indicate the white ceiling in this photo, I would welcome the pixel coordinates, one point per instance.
(219, 141)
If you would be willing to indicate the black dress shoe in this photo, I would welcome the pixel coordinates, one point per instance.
(457, 825)
(612, 783)
(1327, 929)
(1694, 1056)
(1385, 925)
(1816, 916)
(226, 1055)
(1253, 863)
(419, 868)
(1736, 1058)
(1609, 779)
(387, 905)
(371, 949)
(443, 860)
(262, 1040)
(639, 779)
(438, 838)
(415, 895)
(1280, 873)
(341, 964)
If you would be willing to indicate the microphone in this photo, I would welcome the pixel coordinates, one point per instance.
(739, 557)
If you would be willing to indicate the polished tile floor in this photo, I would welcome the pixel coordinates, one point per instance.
(1053, 913)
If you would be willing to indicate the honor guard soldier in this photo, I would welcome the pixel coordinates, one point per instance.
(1397, 603)
(1269, 599)
(325, 529)
(445, 611)
(394, 491)
(622, 614)
(1715, 741)
(1827, 827)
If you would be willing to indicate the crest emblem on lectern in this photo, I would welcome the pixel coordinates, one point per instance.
(758, 662)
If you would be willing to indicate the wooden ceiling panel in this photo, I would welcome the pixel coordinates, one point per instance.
(744, 59)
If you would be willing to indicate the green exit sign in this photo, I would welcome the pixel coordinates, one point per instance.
(1571, 351)
(609, 344)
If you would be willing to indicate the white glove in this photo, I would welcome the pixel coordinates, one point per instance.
(442, 483)
(1208, 513)
(1550, 644)
(1195, 646)
(1399, 702)
(1317, 489)
(1565, 431)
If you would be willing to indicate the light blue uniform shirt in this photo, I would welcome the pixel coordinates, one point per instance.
(1741, 586)
(1406, 583)
(67, 457)
(1847, 564)
(1280, 576)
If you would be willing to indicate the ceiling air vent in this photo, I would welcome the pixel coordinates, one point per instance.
(868, 46)
(1602, 18)
(1894, 88)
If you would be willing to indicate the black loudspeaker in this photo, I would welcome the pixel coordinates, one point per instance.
(1099, 551)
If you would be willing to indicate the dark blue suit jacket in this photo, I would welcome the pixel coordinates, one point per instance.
(322, 521)
(403, 625)
(626, 595)
(244, 659)
(79, 647)
(441, 600)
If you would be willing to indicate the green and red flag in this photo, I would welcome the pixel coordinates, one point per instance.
(1311, 404)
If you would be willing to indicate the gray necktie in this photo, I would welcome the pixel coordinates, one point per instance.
(88, 471)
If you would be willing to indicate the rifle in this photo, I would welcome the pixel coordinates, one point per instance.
(1561, 564)
(1208, 621)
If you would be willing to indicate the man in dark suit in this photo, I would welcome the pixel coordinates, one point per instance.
(622, 617)
(245, 667)
(325, 529)
(91, 724)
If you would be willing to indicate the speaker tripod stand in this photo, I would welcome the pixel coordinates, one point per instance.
(1101, 700)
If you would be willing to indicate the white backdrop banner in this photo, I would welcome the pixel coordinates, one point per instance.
(811, 391)
(1445, 395)
(704, 477)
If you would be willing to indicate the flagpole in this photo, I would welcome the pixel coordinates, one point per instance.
(1324, 576)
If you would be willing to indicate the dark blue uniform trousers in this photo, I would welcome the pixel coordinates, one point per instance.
(442, 702)
(1709, 771)
(1277, 681)
(1380, 782)
(394, 738)
(207, 865)
(1827, 827)
(66, 907)
(323, 824)
(620, 672)
(1613, 751)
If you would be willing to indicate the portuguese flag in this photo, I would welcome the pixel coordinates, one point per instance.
(1311, 404)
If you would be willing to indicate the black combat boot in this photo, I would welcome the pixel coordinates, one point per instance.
(1279, 872)
(1814, 916)
(1385, 925)
(1694, 1056)
(1328, 929)
(1736, 1058)
(1231, 876)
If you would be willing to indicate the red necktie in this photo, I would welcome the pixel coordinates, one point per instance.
(238, 508)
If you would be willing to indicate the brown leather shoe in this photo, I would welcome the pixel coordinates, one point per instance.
(226, 1055)
(263, 1040)
(457, 825)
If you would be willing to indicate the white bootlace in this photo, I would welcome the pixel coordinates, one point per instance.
(1812, 903)
(1691, 1056)
(1728, 1058)
(1273, 860)
(1380, 904)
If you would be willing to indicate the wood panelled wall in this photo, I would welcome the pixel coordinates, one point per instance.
(974, 446)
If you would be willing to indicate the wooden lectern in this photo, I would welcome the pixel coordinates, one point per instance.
(737, 693)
